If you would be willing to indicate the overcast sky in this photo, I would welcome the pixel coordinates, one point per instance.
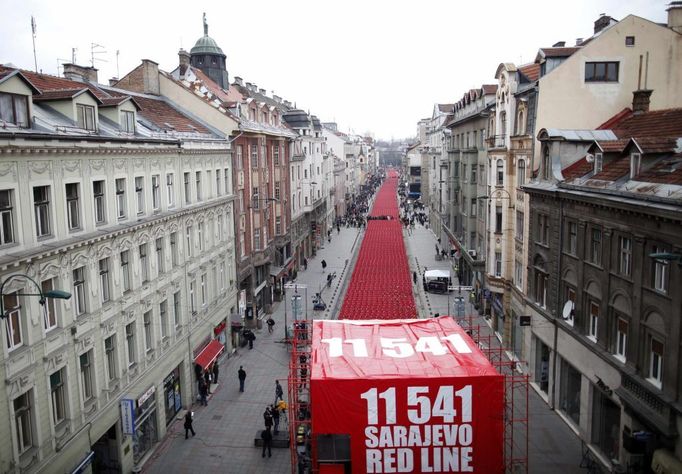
(371, 66)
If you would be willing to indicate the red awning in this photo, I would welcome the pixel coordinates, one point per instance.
(209, 353)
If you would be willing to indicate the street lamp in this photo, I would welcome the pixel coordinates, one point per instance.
(496, 194)
(44, 295)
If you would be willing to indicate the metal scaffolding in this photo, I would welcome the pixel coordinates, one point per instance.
(299, 397)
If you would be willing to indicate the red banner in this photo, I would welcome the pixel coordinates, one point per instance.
(414, 396)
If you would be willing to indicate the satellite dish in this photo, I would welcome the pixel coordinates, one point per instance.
(589, 157)
(569, 310)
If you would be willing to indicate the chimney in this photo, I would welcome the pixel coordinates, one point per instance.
(238, 80)
(262, 91)
(75, 72)
(183, 57)
(277, 98)
(675, 16)
(559, 44)
(150, 77)
(248, 86)
(602, 22)
(578, 41)
(113, 81)
(640, 100)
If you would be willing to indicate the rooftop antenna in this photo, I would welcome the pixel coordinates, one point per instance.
(118, 74)
(33, 30)
(60, 61)
(96, 49)
(73, 55)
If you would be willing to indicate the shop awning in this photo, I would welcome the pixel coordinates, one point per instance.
(209, 354)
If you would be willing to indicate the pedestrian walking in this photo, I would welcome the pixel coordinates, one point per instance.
(338, 229)
(305, 263)
(266, 436)
(279, 392)
(188, 424)
(207, 380)
(267, 418)
(324, 265)
(203, 392)
(216, 371)
(414, 277)
(275, 418)
(271, 324)
(242, 377)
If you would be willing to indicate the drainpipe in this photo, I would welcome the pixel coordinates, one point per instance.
(557, 311)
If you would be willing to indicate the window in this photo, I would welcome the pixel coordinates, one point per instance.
(625, 256)
(256, 239)
(217, 182)
(500, 173)
(239, 164)
(147, 319)
(473, 208)
(104, 282)
(226, 178)
(520, 124)
(192, 301)
(519, 225)
(98, 194)
(255, 201)
(655, 361)
(14, 109)
(254, 156)
(174, 248)
(160, 267)
(209, 183)
(570, 296)
(606, 71)
(473, 174)
(660, 272)
(121, 198)
(498, 219)
(629, 41)
(41, 201)
(139, 194)
(201, 236)
(598, 162)
(176, 309)
(86, 375)
(546, 163)
(85, 116)
(188, 188)
(127, 121)
(498, 264)
(170, 189)
(163, 316)
(6, 217)
(13, 322)
(58, 396)
(621, 339)
(188, 234)
(594, 320)
(518, 273)
(595, 247)
(110, 354)
(543, 229)
(572, 240)
(79, 290)
(222, 276)
(635, 162)
(73, 206)
(464, 171)
(125, 270)
(275, 154)
(144, 263)
(49, 308)
(541, 280)
(204, 291)
(277, 190)
(156, 192)
(130, 343)
(197, 179)
(521, 173)
(23, 421)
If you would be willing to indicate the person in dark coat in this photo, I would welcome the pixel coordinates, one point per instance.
(216, 371)
(275, 418)
(207, 381)
(203, 392)
(242, 377)
(279, 391)
(266, 436)
(188, 424)
(267, 418)
(324, 265)
(414, 277)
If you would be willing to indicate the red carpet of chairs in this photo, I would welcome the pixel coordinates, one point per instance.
(381, 285)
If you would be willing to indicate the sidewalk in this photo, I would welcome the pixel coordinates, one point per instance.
(226, 428)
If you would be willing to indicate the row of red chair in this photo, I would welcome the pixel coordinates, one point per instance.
(381, 286)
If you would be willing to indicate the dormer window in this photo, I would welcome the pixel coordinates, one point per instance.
(14, 109)
(635, 161)
(127, 121)
(598, 162)
(85, 116)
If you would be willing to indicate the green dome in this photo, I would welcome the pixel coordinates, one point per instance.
(206, 45)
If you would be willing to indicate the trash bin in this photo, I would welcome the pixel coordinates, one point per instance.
(259, 323)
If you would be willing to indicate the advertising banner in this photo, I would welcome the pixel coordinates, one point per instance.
(414, 396)
(128, 416)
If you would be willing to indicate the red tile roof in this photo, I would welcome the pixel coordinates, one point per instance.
(162, 115)
(656, 123)
(531, 71)
(61, 94)
(613, 121)
(656, 144)
(489, 88)
(559, 52)
(614, 170)
(211, 85)
(613, 146)
(446, 107)
(578, 169)
(666, 171)
(115, 101)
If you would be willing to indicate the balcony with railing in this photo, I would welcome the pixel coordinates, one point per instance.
(650, 405)
(496, 142)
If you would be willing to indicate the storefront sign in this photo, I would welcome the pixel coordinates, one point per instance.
(128, 416)
(145, 396)
(497, 305)
(242, 302)
(524, 320)
(219, 328)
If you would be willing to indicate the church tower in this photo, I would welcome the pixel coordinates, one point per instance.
(207, 56)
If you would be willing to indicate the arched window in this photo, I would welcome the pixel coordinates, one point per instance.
(500, 173)
(521, 173)
(540, 281)
(520, 125)
(503, 123)
(546, 163)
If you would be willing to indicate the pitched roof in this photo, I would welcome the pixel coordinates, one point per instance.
(656, 144)
(666, 171)
(46, 82)
(613, 121)
(614, 170)
(563, 52)
(118, 100)
(578, 169)
(531, 71)
(446, 107)
(612, 146)
(63, 94)
(163, 115)
(7, 72)
(656, 123)
(489, 88)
